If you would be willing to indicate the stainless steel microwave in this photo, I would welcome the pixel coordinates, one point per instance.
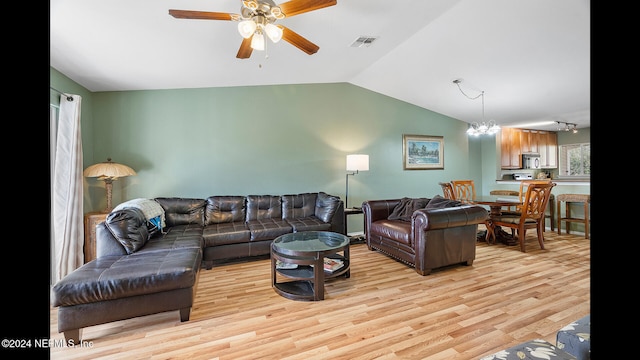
(531, 161)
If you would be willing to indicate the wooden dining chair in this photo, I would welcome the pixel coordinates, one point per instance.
(447, 190)
(532, 213)
(549, 211)
(464, 190)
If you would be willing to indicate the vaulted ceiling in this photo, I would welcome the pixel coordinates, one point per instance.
(530, 57)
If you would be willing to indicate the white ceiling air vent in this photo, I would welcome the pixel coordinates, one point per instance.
(364, 41)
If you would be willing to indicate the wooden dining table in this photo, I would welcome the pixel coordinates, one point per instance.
(496, 203)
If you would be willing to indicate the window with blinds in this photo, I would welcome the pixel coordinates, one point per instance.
(574, 160)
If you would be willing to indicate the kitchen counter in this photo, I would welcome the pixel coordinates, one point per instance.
(559, 182)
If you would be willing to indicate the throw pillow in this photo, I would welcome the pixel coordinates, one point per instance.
(438, 202)
(406, 207)
(129, 227)
(326, 206)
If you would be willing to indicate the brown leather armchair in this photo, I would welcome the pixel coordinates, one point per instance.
(435, 237)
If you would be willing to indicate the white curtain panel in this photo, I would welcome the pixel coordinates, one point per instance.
(53, 133)
(67, 189)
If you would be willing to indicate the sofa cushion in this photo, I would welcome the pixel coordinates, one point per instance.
(129, 227)
(264, 207)
(396, 230)
(438, 202)
(299, 206)
(406, 207)
(268, 229)
(224, 209)
(309, 223)
(182, 211)
(326, 206)
(181, 236)
(226, 233)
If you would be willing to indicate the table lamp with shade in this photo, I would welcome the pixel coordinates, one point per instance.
(108, 171)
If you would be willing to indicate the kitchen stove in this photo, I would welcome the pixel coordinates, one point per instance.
(522, 176)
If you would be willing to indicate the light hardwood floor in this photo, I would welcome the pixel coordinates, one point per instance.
(384, 311)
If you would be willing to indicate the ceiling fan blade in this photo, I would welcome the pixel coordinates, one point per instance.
(298, 41)
(295, 7)
(202, 15)
(245, 48)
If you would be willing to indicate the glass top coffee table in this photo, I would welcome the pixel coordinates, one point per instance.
(298, 263)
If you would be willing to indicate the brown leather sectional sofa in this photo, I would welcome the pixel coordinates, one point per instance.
(425, 233)
(141, 269)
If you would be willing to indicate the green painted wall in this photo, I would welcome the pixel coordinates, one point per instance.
(279, 139)
(261, 140)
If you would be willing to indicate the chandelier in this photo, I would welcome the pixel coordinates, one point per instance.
(479, 128)
(258, 19)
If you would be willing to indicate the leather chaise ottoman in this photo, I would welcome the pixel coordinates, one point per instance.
(161, 275)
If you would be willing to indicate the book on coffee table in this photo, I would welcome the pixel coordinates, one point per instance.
(332, 265)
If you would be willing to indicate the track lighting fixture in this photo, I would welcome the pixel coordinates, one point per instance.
(567, 126)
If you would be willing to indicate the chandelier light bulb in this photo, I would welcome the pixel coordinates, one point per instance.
(471, 131)
(493, 129)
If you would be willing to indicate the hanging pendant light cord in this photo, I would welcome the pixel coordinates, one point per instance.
(457, 82)
(479, 128)
(482, 94)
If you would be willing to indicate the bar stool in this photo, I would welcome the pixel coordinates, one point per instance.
(568, 199)
(551, 212)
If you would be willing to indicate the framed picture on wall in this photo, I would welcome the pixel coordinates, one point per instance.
(422, 152)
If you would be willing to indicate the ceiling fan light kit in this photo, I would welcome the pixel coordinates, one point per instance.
(257, 18)
(273, 32)
(257, 42)
(246, 28)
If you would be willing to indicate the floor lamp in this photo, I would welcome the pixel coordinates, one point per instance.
(108, 171)
(355, 164)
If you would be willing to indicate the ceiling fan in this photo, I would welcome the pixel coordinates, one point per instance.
(257, 18)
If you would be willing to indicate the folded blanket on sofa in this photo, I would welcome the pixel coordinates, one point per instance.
(153, 212)
(406, 207)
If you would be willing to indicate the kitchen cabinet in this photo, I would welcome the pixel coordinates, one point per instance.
(515, 142)
(510, 149)
(529, 141)
(549, 150)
